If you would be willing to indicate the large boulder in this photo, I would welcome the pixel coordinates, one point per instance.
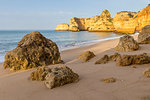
(32, 51)
(60, 76)
(127, 43)
(86, 56)
(144, 36)
(125, 60)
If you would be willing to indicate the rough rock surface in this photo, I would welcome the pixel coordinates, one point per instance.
(62, 27)
(125, 60)
(40, 74)
(114, 56)
(104, 23)
(144, 36)
(32, 51)
(103, 60)
(86, 56)
(147, 73)
(60, 76)
(143, 18)
(127, 43)
(73, 29)
(124, 23)
(109, 80)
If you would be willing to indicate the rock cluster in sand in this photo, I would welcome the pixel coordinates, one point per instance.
(32, 51)
(144, 36)
(123, 22)
(127, 43)
(55, 76)
(86, 56)
(125, 60)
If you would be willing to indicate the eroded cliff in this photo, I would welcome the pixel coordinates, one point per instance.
(123, 22)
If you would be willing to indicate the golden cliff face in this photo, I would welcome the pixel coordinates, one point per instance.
(103, 23)
(83, 23)
(143, 18)
(123, 22)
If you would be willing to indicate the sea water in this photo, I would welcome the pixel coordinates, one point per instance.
(64, 39)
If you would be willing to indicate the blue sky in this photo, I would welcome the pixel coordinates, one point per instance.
(46, 14)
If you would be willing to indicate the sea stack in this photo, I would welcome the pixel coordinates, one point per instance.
(32, 51)
(62, 27)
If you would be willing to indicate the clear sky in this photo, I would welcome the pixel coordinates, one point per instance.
(46, 14)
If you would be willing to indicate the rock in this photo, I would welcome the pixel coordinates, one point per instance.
(109, 80)
(62, 27)
(73, 29)
(103, 60)
(86, 56)
(133, 66)
(40, 74)
(127, 43)
(141, 59)
(124, 22)
(83, 24)
(147, 73)
(32, 51)
(114, 56)
(126, 60)
(60, 76)
(143, 18)
(144, 36)
(104, 23)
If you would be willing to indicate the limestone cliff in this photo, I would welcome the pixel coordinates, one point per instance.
(123, 22)
(103, 23)
(83, 23)
(143, 18)
(62, 27)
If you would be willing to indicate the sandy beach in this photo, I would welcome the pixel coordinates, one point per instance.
(130, 84)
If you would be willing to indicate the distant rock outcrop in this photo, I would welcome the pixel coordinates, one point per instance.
(143, 18)
(73, 29)
(127, 43)
(144, 36)
(103, 23)
(32, 51)
(123, 22)
(62, 27)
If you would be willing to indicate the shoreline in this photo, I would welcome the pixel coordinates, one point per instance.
(89, 43)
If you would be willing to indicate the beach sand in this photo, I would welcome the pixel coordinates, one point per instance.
(130, 83)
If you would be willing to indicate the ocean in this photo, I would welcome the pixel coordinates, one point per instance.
(64, 39)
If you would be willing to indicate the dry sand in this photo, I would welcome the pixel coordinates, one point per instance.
(130, 84)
